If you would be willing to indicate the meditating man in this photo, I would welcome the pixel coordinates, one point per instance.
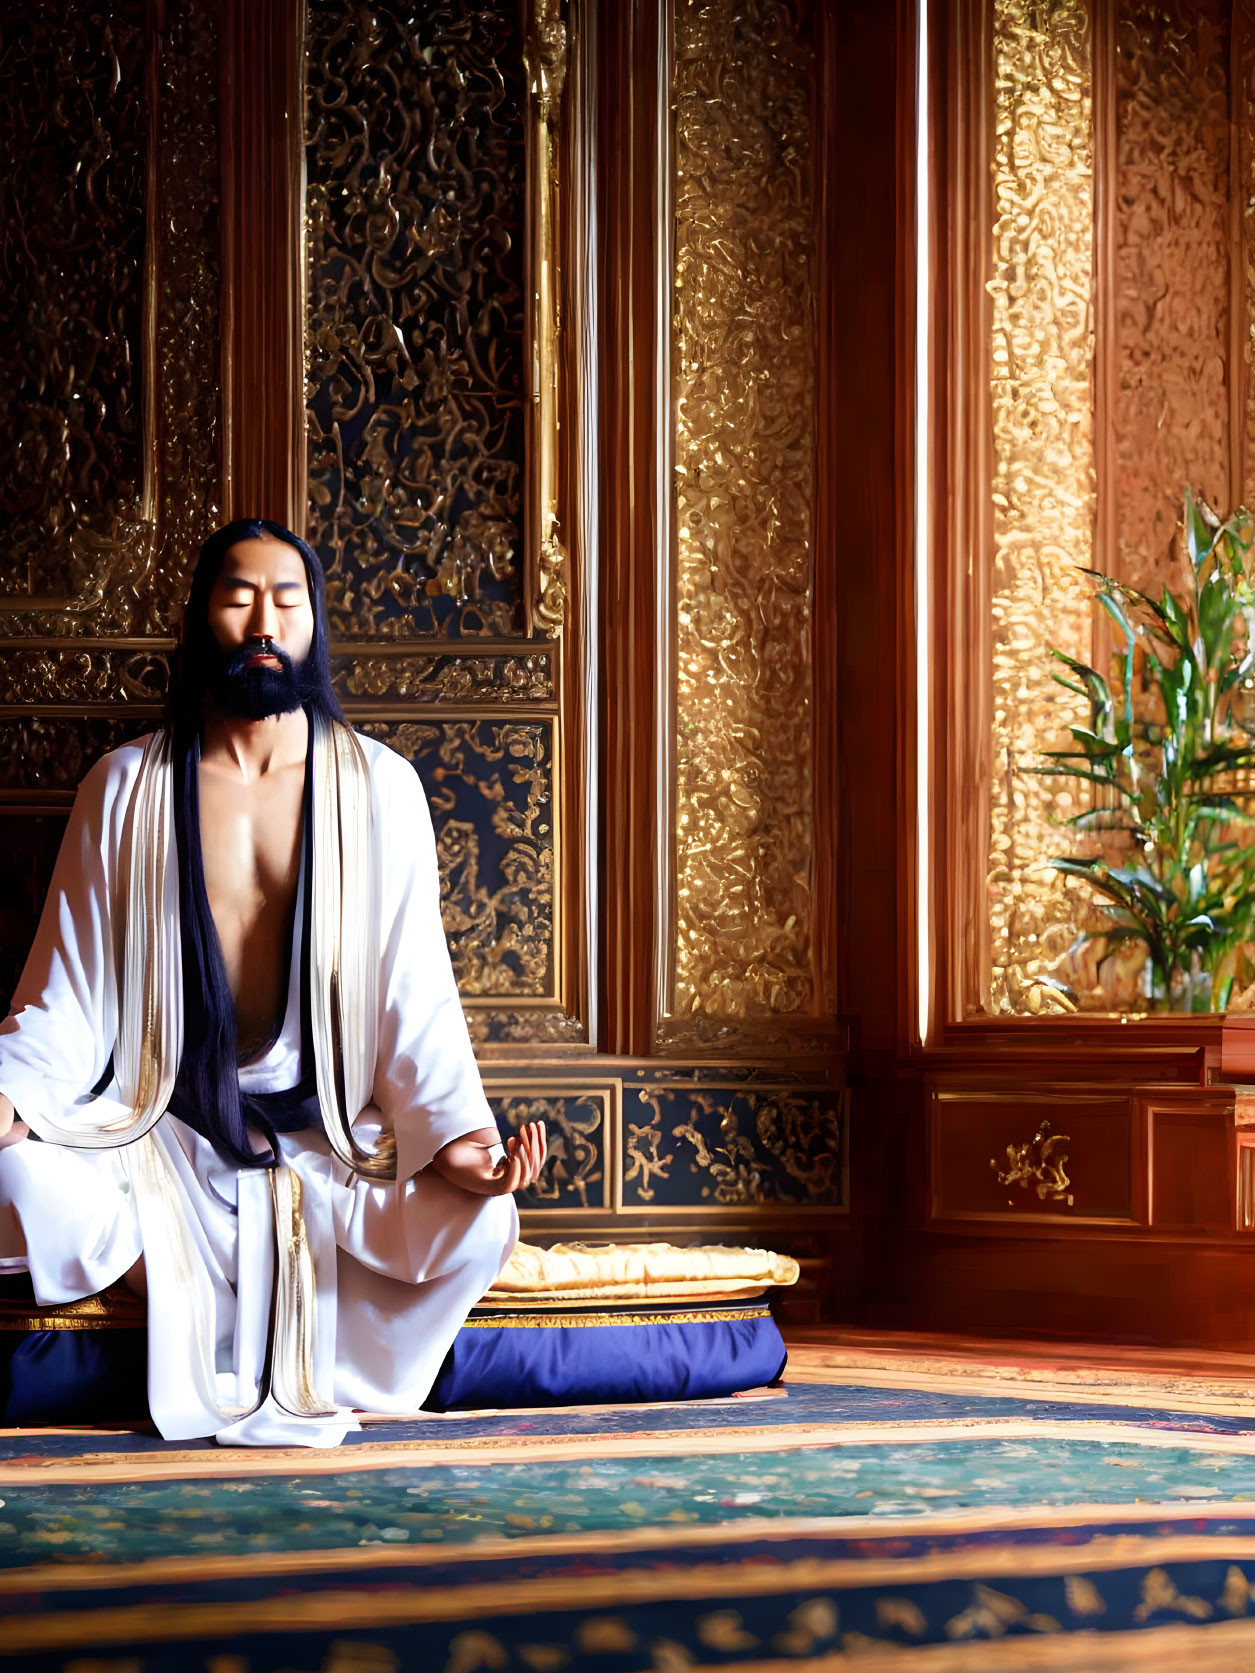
(239, 1040)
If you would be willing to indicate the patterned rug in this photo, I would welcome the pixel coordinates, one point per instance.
(934, 1522)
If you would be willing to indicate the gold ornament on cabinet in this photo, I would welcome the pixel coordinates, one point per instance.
(1040, 1163)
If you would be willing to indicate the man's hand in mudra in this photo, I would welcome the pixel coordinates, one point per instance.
(467, 1162)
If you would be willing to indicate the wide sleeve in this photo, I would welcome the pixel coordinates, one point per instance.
(61, 1031)
(426, 1079)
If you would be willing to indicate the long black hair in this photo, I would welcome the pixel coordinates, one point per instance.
(207, 1090)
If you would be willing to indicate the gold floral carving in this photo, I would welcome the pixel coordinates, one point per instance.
(490, 788)
(497, 1029)
(545, 56)
(415, 160)
(439, 677)
(80, 674)
(576, 1136)
(109, 370)
(644, 1161)
(1172, 271)
(1041, 1162)
(753, 1147)
(54, 752)
(743, 386)
(1043, 470)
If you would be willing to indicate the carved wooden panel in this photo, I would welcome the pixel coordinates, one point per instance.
(1075, 1156)
(706, 1144)
(582, 1127)
(1192, 1165)
(415, 161)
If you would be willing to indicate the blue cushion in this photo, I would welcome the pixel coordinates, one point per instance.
(73, 1376)
(501, 1357)
(611, 1355)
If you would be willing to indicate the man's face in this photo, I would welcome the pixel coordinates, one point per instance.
(262, 618)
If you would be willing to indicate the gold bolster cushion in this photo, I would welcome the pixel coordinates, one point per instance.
(658, 1272)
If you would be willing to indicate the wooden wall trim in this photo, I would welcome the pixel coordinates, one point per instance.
(576, 488)
(863, 520)
(628, 55)
(832, 416)
(263, 267)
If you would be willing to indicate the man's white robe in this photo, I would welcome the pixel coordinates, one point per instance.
(396, 1265)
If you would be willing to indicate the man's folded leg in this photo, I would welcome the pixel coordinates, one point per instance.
(392, 1335)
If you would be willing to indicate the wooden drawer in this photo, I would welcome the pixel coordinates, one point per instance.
(1075, 1155)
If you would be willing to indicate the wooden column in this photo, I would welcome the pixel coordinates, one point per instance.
(627, 120)
(263, 279)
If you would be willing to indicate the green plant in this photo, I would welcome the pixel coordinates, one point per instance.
(1182, 883)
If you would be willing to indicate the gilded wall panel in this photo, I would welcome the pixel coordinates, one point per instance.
(1041, 369)
(72, 210)
(577, 1174)
(502, 1032)
(40, 675)
(706, 1145)
(1172, 275)
(415, 161)
(489, 784)
(743, 384)
(430, 677)
(108, 333)
(55, 752)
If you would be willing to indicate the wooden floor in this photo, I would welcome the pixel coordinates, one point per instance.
(983, 1351)
(1178, 1379)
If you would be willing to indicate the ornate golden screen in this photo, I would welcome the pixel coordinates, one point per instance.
(743, 386)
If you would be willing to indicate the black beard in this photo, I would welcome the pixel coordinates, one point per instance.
(257, 693)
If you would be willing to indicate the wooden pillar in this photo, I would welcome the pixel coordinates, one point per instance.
(627, 143)
(263, 279)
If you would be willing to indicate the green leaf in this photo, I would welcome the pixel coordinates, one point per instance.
(1118, 616)
(1079, 772)
(1198, 537)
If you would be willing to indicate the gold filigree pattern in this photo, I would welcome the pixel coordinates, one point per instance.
(1172, 274)
(188, 472)
(54, 752)
(1043, 473)
(415, 158)
(643, 1159)
(73, 674)
(1041, 1162)
(740, 1147)
(545, 56)
(435, 678)
(743, 354)
(72, 213)
(501, 1030)
(107, 501)
(576, 1136)
(489, 785)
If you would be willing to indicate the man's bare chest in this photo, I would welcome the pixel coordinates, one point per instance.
(251, 850)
